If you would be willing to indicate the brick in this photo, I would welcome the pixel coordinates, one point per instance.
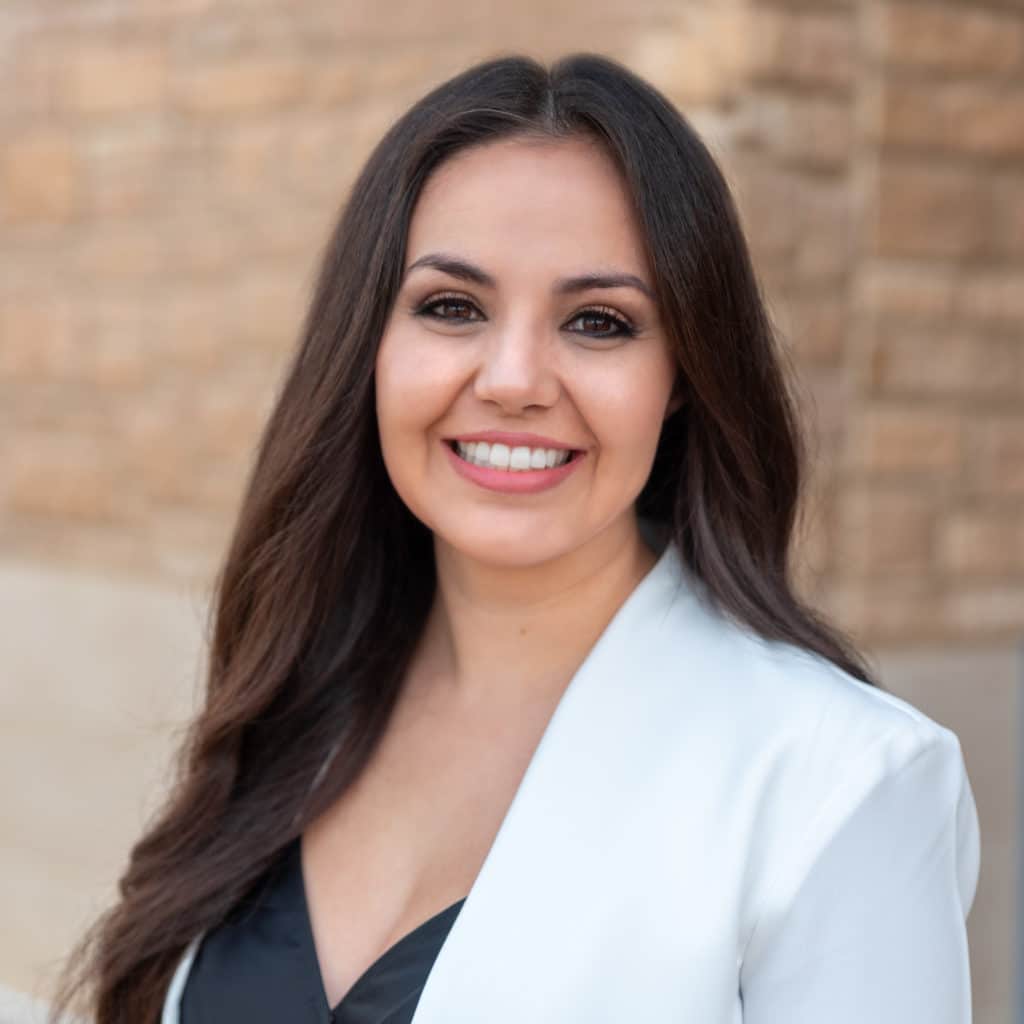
(29, 72)
(1007, 230)
(900, 610)
(239, 84)
(111, 77)
(776, 275)
(910, 293)
(117, 360)
(726, 28)
(899, 441)
(984, 612)
(993, 297)
(983, 543)
(64, 478)
(38, 339)
(200, 245)
(39, 178)
(317, 157)
(124, 172)
(700, 64)
(229, 416)
(385, 24)
(195, 334)
(884, 531)
(995, 456)
(247, 159)
(804, 47)
(824, 404)
(267, 312)
(112, 16)
(120, 252)
(944, 363)
(951, 39)
(807, 131)
(156, 453)
(825, 241)
(815, 326)
(958, 117)
(679, 67)
(767, 197)
(717, 127)
(288, 235)
(334, 83)
(218, 485)
(930, 211)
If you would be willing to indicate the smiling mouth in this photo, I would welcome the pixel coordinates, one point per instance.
(512, 459)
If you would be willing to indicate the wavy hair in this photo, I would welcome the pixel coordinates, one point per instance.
(328, 577)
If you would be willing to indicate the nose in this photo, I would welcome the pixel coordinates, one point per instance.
(517, 370)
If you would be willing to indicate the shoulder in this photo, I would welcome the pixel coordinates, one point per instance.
(772, 697)
(825, 741)
(853, 784)
(797, 706)
(785, 735)
(805, 754)
(807, 700)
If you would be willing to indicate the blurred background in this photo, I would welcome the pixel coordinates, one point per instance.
(169, 172)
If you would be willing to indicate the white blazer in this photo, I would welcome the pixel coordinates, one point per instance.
(713, 830)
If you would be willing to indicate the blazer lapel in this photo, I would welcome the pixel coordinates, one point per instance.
(543, 887)
(523, 946)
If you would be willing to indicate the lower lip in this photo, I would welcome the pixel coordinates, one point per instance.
(525, 481)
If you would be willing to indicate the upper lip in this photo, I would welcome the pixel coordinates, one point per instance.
(513, 439)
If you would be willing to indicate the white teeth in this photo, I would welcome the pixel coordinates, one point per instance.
(519, 459)
(515, 460)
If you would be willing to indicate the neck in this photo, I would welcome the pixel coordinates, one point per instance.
(517, 633)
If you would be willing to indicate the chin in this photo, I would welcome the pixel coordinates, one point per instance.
(509, 544)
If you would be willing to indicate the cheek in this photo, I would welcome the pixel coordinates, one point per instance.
(392, 387)
(411, 386)
(626, 410)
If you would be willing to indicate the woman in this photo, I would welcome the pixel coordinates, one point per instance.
(512, 712)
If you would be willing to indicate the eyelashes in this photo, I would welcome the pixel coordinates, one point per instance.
(623, 328)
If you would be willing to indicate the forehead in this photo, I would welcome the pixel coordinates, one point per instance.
(550, 204)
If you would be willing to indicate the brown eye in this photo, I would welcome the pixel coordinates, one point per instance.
(448, 307)
(599, 323)
(603, 321)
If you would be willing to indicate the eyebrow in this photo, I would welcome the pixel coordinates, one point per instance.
(466, 271)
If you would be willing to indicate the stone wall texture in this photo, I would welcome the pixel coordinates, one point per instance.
(170, 170)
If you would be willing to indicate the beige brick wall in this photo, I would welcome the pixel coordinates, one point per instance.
(169, 170)
(168, 174)
(932, 468)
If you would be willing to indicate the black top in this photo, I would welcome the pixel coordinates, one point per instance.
(260, 967)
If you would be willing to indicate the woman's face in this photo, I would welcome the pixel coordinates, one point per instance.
(498, 335)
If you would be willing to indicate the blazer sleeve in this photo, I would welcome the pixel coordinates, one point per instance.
(868, 921)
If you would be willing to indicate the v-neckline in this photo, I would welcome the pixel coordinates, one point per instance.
(316, 969)
(649, 595)
(595, 689)
(631, 601)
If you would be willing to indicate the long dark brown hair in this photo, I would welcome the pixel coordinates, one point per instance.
(328, 577)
